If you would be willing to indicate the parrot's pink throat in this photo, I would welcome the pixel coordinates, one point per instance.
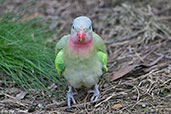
(80, 47)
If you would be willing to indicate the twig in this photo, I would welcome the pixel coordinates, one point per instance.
(138, 97)
(9, 96)
(165, 82)
(128, 37)
(13, 101)
(164, 31)
(164, 18)
(117, 44)
(78, 105)
(108, 98)
(135, 104)
(160, 54)
(168, 57)
(156, 61)
(138, 55)
(162, 11)
(114, 63)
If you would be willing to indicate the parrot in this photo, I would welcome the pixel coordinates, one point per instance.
(81, 58)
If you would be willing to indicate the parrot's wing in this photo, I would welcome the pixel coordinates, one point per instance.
(103, 60)
(59, 62)
(61, 43)
(101, 50)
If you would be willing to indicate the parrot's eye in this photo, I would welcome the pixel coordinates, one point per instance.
(73, 27)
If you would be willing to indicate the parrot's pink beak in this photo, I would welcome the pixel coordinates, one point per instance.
(81, 35)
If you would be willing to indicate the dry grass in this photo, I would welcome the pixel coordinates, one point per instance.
(135, 33)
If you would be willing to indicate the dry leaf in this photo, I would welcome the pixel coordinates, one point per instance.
(116, 106)
(125, 70)
(122, 72)
(21, 95)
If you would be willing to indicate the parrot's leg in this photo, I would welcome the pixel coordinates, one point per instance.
(70, 96)
(96, 93)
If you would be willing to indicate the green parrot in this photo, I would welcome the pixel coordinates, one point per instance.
(81, 57)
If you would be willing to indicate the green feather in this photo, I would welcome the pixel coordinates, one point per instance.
(61, 43)
(59, 62)
(99, 43)
(103, 60)
(101, 50)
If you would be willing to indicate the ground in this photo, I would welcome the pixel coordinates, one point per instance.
(138, 39)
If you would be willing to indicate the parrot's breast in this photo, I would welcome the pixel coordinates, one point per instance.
(83, 67)
(80, 49)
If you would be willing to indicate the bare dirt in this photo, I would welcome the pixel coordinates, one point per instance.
(138, 39)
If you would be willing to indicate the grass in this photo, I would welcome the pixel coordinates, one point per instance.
(24, 55)
(1, 1)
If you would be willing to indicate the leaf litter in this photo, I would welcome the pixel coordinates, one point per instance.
(137, 36)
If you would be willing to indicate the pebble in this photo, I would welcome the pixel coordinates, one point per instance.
(143, 105)
(152, 110)
(134, 97)
(40, 105)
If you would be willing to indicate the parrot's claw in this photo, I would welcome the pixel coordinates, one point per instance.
(96, 93)
(70, 96)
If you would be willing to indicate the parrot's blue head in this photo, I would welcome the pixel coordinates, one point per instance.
(82, 27)
(82, 22)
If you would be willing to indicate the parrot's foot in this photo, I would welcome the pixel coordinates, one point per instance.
(96, 93)
(70, 96)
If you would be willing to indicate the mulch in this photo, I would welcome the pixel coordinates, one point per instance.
(138, 39)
